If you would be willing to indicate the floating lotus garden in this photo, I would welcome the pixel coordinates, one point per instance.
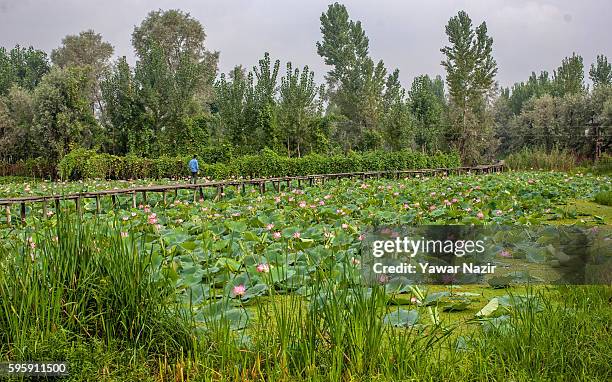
(249, 273)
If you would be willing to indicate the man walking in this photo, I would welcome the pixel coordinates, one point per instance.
(193, 167)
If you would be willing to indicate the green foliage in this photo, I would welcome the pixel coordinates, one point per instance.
(22, 67)
(569, 77)
(63, 112)
(427, 105)
(218, 164)
(604, 165)
(470, 69)
(86, 49)
(88, 282)
(604, 198)
(601, 71)
(541, 159)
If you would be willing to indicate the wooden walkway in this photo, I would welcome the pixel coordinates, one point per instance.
(240, 184)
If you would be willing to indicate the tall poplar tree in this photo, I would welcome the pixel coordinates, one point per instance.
(601, 71)
(470, 75)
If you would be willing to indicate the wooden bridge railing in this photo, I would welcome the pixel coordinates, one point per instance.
(220, 185)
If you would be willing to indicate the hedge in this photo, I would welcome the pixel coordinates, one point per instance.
(83, 164)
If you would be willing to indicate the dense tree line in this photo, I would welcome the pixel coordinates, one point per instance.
(173, 100)
(558, 111)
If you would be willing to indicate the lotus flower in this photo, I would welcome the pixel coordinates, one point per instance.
(239, 290)
(263, 268)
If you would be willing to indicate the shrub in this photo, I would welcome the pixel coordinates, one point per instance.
(603, 165)
(539, 159)
(82, 163)
(604, 198)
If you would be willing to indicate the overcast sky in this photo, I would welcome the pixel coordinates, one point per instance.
(529, 35)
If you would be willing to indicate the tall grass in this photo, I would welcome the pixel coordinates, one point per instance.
(84, 279)
(540, 159)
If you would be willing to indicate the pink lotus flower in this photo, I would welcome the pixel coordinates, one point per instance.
(263, 268)
(415, 300)
(140, 206)
(297, 235)
(432, 194)
(152, 218)
(498, 212)
(469, 209)
(302, 204)
(446, 202)
(321, 203)
(49, 213)
(124, 234)
(355, 261)
(505, 253)
(406, 206)
(326, 197)
(270, 226)
(125, 218)
(432, 207)
(276, 235)
(239, 290)
(480, 215)
(344, 226)
(277, 199)
(396, 194)
(454, 200)
(361, 237)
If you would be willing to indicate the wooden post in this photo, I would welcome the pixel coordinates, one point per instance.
(243, 187)
(44, 208)
(288, 184)
(133, 199)
(277, 185)
(98, 204)
(7, 209)
(299, 183)
(164, 197)
(310, 180)
(262, 187)
(57, 206)
(114, 200)
(201, 189)
(144, 197)
(23, 213)
(77, 202)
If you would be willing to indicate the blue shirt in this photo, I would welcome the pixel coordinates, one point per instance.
(193, 165)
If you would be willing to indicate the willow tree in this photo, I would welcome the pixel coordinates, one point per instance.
(470, 75)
